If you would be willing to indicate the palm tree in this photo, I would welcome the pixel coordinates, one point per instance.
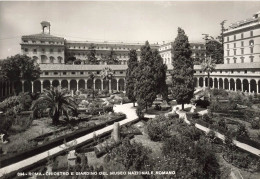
(58, 102)
(208, 66)
(107, 74)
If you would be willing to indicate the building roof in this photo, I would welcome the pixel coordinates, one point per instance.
(65, 67)
(42, 36)
(233, 66)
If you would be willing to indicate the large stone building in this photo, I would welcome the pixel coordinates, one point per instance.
(241, 68)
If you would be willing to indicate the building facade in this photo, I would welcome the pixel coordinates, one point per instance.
(241, 68)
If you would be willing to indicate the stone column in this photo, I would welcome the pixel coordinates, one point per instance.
(109, 86)
(101, 84)
(41, 86)
(86, 84)
(249, 87)
(117, 84)
(32, 87)
(116, 132)
(23, 86)
(94, 84)
(59, 87)
(69, 84)
(50, 84)
(229, 84)
(77, 84)
(204, 82)
(235, 85)
(197, 85)
(242, 86)
(218, 82)
(257, 89)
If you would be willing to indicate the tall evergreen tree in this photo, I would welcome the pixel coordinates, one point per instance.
(182, 76)
(111, 58)
(92, 59)
(145, 85)
(160, 70)
(130, 76)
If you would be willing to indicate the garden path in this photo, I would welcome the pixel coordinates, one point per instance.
(125, 108)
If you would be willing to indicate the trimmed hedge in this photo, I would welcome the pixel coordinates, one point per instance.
(56, 142)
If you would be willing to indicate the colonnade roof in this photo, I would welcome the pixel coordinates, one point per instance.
(63, 67)
(233, 66)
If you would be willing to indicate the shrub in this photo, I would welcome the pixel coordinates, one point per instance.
(255, 124)
(139, 112)
(157, 128)
(108, 108)
(242, 131)
(202, 103)
(207, 119)
(5, 123)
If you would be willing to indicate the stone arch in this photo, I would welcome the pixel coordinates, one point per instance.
(114, 84)
(89, 84)
(226, 84)
(200, 82)
(44, 59)
(73, 85)
(27, 86)
(81, 84)
(221, 83)
(121, 84)
(59, 59)
(245, 85)
(105, 84)
(215, 83)
(238, 84)
(55, 83)
(52, 59)
(37, 86)
(232, 84)
(98, 84)
(253, 86)
(36, 59)
(64, 84)
(210, 82)
(46, 84)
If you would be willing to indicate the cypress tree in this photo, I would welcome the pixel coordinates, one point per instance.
(130, 76)
(145, 86)
(160, 70)
(182, 76)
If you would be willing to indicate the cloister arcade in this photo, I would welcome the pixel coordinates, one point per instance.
(116, 84)
(251, 85)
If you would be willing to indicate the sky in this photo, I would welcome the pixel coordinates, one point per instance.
(155, 21)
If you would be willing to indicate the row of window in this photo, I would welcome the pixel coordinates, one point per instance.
(242, 59)
(81, 73)
(43, 42)
(242, 51)
(42, 50)
(241, 36)
(84, 47)
(232, 71)
(251, 43)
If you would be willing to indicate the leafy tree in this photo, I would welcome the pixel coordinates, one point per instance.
(20, 67)
(111, 58)
(208, 66)
(92, 54)
(145, 84)
(214, 50)
(130, 76)
(77, 62)
(160, 70)
(70, 59)
(58, 102)
(182, 76)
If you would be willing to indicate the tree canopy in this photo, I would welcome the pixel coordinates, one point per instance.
(182, 75)
(20, 67)
(130, 75)
(215, 51)
(111, 58)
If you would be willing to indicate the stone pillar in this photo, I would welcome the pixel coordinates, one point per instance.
(94, 84)
(117, 84)
(229, 84)
(204, 82)
(116, 132)
(257, 89)
(86, 84)
(235, 85)
(109, 86)
(23, 86)
(50, 84)
(197, 85)
(249, 87)
(41, 86)
(242, 86)
(32, 87)
(69, 84)
(59, 87)
(101, 84)
(218, 83)
(77, 84)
